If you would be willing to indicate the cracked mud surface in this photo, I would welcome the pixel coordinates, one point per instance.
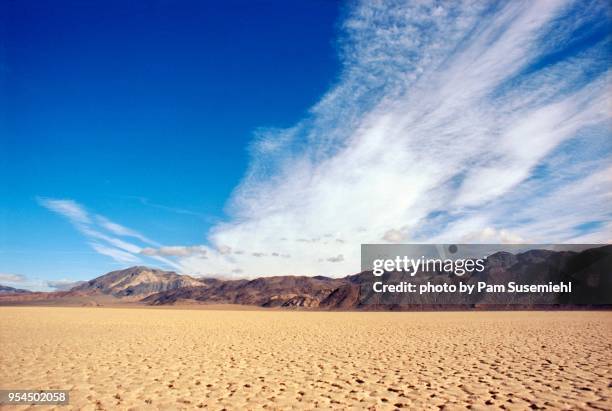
(115, 358)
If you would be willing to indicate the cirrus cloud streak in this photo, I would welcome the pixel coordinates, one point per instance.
(450, 121)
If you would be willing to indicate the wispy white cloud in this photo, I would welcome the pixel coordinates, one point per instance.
(175, 251)
(454, 121)
(12, 278)
(68, 208)
(116, 254)
(450, 121)
(105, 235)
(120, 230)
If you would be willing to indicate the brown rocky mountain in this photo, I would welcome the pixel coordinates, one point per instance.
(136, 283)
(280, 291)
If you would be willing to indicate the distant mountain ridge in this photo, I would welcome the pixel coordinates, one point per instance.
(121, 286)
(589, 270)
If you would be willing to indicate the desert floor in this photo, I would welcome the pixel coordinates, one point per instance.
(129, 358)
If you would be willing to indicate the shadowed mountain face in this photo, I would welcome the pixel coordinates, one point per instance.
(136, 282)
(281, 291)
(5, 289)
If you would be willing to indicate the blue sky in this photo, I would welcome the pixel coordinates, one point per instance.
(144, 112)
(259, 138)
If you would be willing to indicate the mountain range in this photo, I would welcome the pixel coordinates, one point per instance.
(590, 272)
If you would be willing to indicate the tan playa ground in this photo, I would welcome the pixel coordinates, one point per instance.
(128, 358)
